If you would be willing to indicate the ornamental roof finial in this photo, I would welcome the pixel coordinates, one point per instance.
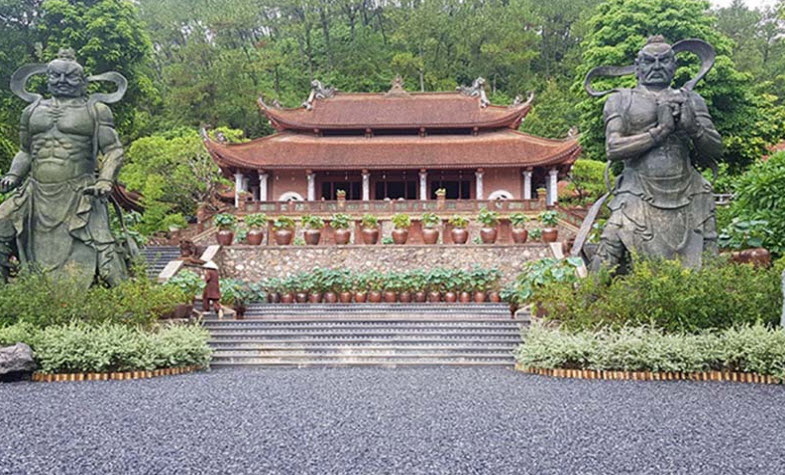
(477, 89)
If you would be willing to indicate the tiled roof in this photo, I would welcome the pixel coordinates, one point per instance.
(431, 110)
(291, 150)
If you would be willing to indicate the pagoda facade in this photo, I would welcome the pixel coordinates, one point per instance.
(396, 145)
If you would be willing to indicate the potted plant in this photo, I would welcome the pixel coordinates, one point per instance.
(549, 219)
(435, 282)
(463, 284)
(745, 241)
(405, 290)
(391, 287)
(255, 223)
(283, 230)
(536, 234)
(458, 232)
(235, 294)
(375, 281)
(441, 196)
(493, 277)
(343, 284)
(479, 283)
(370, 229)
(418, 280)
(490, 221)
(316, 285)
(286, 288)
(340, 223)
(190, 284)
(401, 223)
(450, 286)
(225, 224)
(537, 274)
(313, 229)
(430, 228)
(360, 286)
(519, 232)
(331, 284)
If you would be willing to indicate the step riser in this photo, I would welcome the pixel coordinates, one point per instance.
(340, 353)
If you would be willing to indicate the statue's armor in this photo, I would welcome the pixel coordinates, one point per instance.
(61, 142)
(661, 206)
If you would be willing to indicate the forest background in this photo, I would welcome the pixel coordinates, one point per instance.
(205, 62)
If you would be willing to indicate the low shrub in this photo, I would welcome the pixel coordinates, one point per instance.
(82, 348)
(749, 349)
(663, 294)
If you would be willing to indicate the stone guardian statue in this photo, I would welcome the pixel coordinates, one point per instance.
(661, 205)
(57, 219)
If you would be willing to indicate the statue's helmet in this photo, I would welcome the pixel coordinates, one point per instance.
(66, 77)
(656, 63)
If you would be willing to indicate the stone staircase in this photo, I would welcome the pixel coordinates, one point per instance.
(303, 335)
(157, 257)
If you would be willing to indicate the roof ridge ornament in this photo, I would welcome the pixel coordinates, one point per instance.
(477, 89)
(397, 88)
(275, 104)
(318, 91)
(518, 101)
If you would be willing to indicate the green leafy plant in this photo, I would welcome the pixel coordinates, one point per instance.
(430, 220)
(518, 220)
(459, 222)
(535, 234)
(224, 221)
(370, 221)
(283, 222)
(440, 192)
(537, 274)
(188, 282)
(548, 218)
(340, 221)
(387, 240)
(488, 218)
(256, 220)
(312, 222)
(744, 234)
(401, 221)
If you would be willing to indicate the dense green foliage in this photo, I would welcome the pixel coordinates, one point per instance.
(587, 183)
(79, 347)
(750, 349)
(41, 301)
(665, 295)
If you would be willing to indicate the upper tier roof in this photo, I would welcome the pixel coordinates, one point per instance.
(327, 109)
(291, 150)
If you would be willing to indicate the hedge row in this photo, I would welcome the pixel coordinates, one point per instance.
(749, 349)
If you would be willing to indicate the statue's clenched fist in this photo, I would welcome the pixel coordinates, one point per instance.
(8, 183)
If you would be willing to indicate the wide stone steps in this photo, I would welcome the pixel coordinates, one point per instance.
(456, 338)
(157, 257)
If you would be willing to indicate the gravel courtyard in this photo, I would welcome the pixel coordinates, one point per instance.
(402, 421)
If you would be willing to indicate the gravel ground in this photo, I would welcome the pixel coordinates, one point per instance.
(402, 421)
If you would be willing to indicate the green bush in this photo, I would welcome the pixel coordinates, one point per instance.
(665, 295)
(538, 274)
(188, 282)
(37, 299)
(77, 347)
(752, 349)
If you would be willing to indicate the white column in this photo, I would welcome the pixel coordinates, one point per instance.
(366, 185)
(527, 184)
(311, 186)
(238, 188)
(480, 192)
(263, 186)
(423, 185)
(553, 192)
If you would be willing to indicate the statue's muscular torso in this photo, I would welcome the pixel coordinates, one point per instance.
(61, 141)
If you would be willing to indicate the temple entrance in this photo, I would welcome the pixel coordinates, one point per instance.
(396, 189)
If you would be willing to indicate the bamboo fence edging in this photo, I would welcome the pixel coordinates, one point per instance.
(119, 376)
(726, 376)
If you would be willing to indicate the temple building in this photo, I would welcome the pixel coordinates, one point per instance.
(396, 145)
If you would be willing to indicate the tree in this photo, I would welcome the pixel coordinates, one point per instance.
(620, 28)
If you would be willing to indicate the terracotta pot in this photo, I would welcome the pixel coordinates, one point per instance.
(420, 296)
(759, 257)
(283, 237)
(405, 296)
(400, 236)
(390, 296)
(330, 297)
(342, 236)
(374, 296)
(301, 297)
(519, 235)
(488, 235)
(430, 235)
(312, 236)
(370, 235)
(273, 297)
(360, 297)
(225, 237)
(450, 297)
(465, 297)
(255, 237)
(287, 297)
(493, 296)
(479, 297)
(459, 236)
(314, 297)
(346, 297)
(550, 235)
(434, 297)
